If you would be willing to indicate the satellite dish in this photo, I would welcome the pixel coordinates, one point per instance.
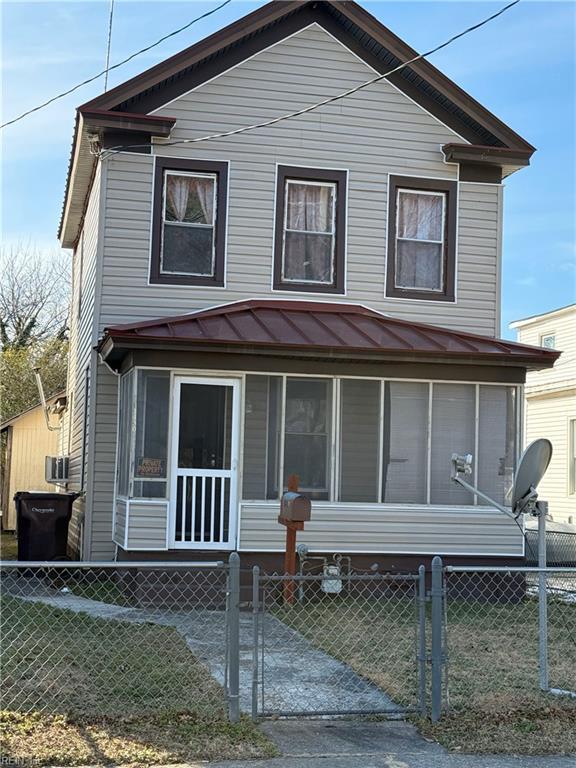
(531, 469)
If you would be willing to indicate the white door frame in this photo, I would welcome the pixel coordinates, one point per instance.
(230, 544)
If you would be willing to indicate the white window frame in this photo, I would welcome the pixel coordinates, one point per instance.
(442, 242)
(332, 232)
(544, 336)
(197, 225)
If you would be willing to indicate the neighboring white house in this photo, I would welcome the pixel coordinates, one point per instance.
(551, 405)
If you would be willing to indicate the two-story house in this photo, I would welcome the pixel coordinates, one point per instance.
(550, 406)
(319, 296)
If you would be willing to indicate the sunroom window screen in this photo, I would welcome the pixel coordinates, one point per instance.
(420, 240)
(405, 445)
(309, 232)
(151, 440)
(188, 229)
(125, 433)
(453, 431)
(306, 438)
(360, 440)
(496, 441)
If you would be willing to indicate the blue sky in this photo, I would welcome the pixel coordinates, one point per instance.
(520, 66)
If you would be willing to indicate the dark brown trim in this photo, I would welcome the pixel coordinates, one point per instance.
(481, 153)
(450, 188)
(129, 121)
(424, 370)
(276, 20)
(485, 174)
(204, 166)
(340, 178)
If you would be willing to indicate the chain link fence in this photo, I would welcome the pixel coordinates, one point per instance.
(560, 548)
(114, 639)
(338, 643)
(504, 647)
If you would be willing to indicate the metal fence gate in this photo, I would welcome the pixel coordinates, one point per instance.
(350, 644)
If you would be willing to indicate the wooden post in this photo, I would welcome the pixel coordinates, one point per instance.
(290, 554)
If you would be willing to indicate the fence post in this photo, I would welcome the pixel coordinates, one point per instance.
(234, 637)
(542, 510)
(422, 638)
(437, 651)
(255, 637)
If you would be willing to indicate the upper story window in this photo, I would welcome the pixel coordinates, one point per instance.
(189, 222)
(548, 340)
(309, 248)
(421, 239)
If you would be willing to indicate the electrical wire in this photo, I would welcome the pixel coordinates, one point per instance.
(114, 66)
(266, 123)
(108, 46)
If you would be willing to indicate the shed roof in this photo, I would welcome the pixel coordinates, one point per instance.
(323, 326)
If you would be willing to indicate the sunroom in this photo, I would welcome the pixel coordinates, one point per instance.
(219, 407)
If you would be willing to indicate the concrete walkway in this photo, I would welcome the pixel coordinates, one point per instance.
(297, 676)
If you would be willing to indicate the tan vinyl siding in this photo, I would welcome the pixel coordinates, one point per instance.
(147, 525)
(549, 416)
(551, 403)
(377, 132)
(32, 441)
(364, 528)
(120, 522)
(82, 332)
(106, 417)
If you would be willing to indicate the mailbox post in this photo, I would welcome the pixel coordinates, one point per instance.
(294, 512)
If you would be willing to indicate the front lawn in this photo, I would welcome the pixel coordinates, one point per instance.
(495, 703)
(79, 690)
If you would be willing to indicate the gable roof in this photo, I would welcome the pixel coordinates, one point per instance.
(351, 330)
(345, 20)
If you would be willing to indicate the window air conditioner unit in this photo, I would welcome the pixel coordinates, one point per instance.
(56, 469)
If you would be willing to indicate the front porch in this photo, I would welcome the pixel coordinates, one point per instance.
(210, 427)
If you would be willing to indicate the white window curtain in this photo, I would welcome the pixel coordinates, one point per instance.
(190, 199)
(419, 244)
(188, 236)
(309, 232)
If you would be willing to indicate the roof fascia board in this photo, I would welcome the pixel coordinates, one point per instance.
(308, 13)
(114, 346)
(534, 319)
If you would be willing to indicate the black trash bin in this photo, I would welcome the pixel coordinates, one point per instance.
(43, 524)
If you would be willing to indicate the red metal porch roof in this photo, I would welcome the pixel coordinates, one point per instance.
(323, 326)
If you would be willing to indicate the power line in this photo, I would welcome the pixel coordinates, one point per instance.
(108, 46)
(114, 66)
(312, 107)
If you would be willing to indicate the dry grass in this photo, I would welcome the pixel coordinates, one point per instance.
(495, 702)
(87, 690)
(136, 741)
(8, 546)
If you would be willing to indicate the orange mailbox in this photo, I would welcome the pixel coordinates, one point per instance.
(295, 508)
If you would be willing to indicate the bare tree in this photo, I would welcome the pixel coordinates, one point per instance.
(34, 295)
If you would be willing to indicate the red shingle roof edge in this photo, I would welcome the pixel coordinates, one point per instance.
(324, 326)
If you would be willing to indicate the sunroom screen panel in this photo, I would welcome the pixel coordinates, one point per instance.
(497, 441)
(405, 442)
(453, 431)
(255, 437)
(359, 430)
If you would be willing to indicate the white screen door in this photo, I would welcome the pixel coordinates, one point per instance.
(204, 463)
